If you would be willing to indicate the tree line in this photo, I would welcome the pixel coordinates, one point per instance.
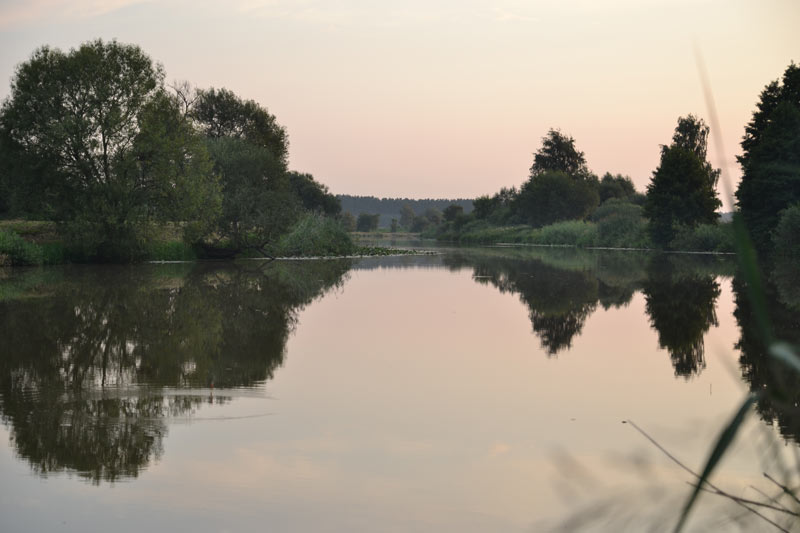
(680, 205)
(94, 140)
(375, 213)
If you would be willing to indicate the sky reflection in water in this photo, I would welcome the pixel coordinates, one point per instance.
(476, 390)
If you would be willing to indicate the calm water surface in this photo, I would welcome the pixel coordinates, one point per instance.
(475, 390)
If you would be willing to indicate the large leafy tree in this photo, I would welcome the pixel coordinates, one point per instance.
(560, 186)
(313, 195)
(97, 145)
(681, 192)
(558, 153)
(554, 196)
(257, 203)
(221, 113)
(771, 157)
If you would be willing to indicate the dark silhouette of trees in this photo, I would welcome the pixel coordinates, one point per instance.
(777, 384)
(367, 222)
(554, 195)
(560, 186)
(681, 307)
(771, 158)
(314, 196)
(681, 192)
(558, 154)
(619, 187)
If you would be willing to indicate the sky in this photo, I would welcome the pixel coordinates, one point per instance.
(447, 99)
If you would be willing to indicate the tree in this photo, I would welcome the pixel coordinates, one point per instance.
(407, 215)
(93, 134)
(220, 113)
(452, 212)
(558, 153)
(367, 222)
(314, 196)
(552, 196)
(257, 203)
(618, 186)
(771, 157)
(681, 191)
(348, 221)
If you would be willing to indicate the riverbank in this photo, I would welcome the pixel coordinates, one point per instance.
(31, 243)
(610, 233)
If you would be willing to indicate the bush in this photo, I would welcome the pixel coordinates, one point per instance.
(570, 232)
(786, 237)
(14, 250)
(704, 238)
(315, 235)
(620, 225)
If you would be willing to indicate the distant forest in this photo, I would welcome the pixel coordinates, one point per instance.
(389, 208)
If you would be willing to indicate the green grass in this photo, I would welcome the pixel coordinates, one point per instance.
(315, 236)
(16, 251)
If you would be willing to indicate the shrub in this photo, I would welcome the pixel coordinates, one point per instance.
(569, 232)
(704, 238)
(620, 225)
(315, 235)
(15, 250)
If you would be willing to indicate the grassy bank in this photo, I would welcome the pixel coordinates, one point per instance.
(30, 243)
(611, 232)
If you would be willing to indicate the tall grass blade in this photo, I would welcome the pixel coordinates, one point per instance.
(720, 447)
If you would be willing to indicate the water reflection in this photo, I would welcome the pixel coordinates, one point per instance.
(92, 357)
(778, 386)
(562, 288)
(681, 304)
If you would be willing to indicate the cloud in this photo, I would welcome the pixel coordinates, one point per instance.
(22, 12)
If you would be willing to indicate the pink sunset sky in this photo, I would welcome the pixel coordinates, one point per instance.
(450, 98)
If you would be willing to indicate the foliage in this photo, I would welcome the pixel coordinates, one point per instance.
(407, 215)
(258, 205)
(367, 222)
(681, 192)
(313, 196)
(619, 187)
(551, 196)
(558, 153)
(568, 232)
(452, 211)
(786, 238)
(220, 113)
(771, 157)
(14, 250)
(620, 224)
(403, 209)
(315, 235)
(348, 221)
(93, 130)
(704, 238)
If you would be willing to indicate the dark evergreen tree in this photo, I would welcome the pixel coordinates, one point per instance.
(681, 192)
(771, 157)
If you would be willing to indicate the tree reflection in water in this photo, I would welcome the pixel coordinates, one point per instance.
(778, 386)
(681, 305)
(91, 363)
